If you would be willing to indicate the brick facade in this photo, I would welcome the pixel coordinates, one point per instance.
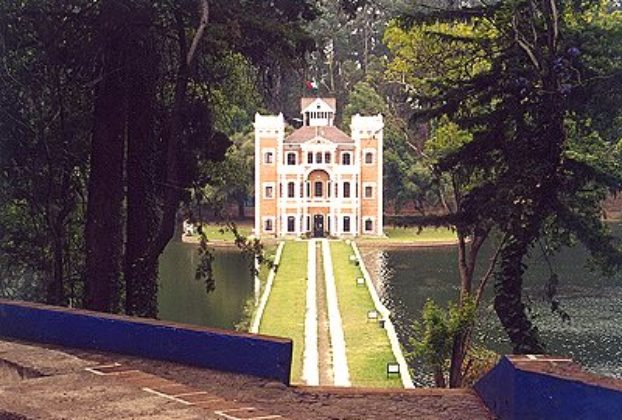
(318, 180)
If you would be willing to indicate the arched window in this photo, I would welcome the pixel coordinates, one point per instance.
(369, 158)
(346, 190)
(268, 158)
(369, 225)
(369, 191)
(345, 159)
(290, 190)
(318, 157)
(318, 189)
(268, 225)
(291, 224)
(291, 158)
(346, 223)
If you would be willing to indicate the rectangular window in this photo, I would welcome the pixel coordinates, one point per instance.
(308, 189)
(369, 225)
(302, 189)
(308, 222)
(318, 157)
(318, 189)
(290, 190)
(336, 189)
(268, 158)
(369, 191)
(326, 157)
(291, 158)
(346, 190)
(328, 188)
(310, 157)
(268, 225)
(291, 223)
(268, 192)
(369, 158)
(345, 159)
(346, 223)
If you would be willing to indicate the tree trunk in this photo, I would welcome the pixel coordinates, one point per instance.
(104, 223)
(55, 293)
(141, 274)
(241, 210)
(508, 298)
(439, 377)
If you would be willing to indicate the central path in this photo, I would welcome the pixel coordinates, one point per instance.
(341, 375)
(325, 357)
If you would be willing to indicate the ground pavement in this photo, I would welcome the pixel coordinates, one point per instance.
(44, 382)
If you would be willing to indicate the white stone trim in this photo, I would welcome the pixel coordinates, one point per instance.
(286, 155)
(373, 190)
(373, 220)
(373, 156)
(266, 150)
(352, 158)
(266, 292)
(296, 230)
(388, 325)
(265, 185)
(264, 219)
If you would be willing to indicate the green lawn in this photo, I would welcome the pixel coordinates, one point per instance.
(213, 231)
(284, 315)
(264, 269)
(398, 234)
(367, 345)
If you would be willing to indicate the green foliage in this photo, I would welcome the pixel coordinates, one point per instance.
(57, 58)
(435, 333)
(542, 153)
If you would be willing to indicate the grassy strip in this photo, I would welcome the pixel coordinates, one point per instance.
(216, 232)
(367, 345)
(397, 234)
(284, 315)
(250, 307)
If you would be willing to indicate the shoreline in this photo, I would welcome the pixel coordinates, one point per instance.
(362, 243)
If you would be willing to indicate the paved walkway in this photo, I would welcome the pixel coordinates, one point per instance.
(310, 364)
(80, 384)
(341, 373)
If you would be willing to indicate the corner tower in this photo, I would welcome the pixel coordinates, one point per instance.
(269, 133)
(367, 133)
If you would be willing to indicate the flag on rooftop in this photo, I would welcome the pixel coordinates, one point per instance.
(311, 85)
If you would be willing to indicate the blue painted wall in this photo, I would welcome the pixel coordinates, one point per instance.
(209, 348)
(512, 393)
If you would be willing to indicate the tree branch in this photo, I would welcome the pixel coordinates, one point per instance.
(199, 34)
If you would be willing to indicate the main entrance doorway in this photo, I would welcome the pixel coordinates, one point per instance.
(318, 226)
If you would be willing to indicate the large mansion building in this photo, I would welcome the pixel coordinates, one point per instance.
(318, 180)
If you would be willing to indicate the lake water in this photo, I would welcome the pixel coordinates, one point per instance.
(182, 298)
(593, 336)
(407, 278)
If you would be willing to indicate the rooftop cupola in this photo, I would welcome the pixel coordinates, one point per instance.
(318, 112)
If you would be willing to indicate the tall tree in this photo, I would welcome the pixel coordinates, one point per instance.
(529, 112)
(104, 218)
(167, 101)
(44, 126)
